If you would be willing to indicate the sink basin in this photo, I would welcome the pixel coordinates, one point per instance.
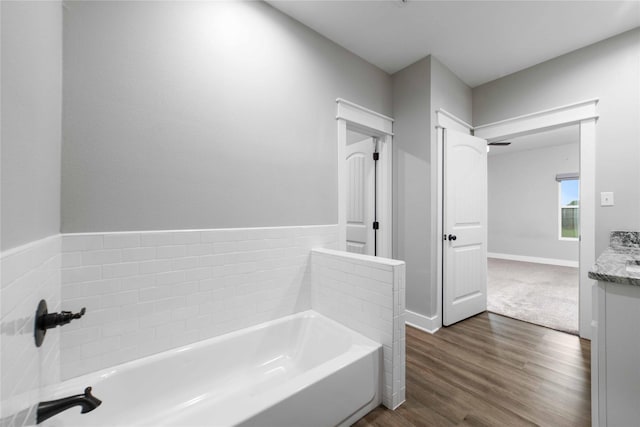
(633, 266)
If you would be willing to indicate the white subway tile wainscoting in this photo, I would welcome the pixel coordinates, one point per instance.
(366, 294)
(146, 292)
(29, 273)
(149, 292)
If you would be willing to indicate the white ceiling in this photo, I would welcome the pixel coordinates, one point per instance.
(560, 136)
(478, 40)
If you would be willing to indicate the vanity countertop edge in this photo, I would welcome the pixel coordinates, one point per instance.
(611, 265)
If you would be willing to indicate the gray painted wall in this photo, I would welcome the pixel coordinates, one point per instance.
(523, 202)
(609, 71)
(202, 115)
(411, 157)
(31, 110)
(418, 91)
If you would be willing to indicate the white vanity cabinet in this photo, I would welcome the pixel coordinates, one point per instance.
(616, 356)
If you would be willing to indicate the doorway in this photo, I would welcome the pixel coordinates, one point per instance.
(364, 160)
(584, 115)
(533, 228)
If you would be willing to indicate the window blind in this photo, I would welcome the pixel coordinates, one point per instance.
(567, 176)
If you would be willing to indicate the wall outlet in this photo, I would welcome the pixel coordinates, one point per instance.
(606, 199)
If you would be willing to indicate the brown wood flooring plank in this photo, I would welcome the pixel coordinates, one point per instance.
(491, 370)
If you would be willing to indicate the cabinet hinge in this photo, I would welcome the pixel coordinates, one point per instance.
(376, 225)
(376, 156)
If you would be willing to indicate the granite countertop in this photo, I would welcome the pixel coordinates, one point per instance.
(611, 266)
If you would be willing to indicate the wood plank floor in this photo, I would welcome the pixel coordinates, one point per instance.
(491, 370)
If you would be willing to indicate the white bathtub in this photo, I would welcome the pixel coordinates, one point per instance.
(301, 370)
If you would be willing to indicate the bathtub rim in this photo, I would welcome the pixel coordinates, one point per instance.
(55, 390)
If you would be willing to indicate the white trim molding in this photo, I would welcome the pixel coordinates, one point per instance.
(357, 118)
(362, 116)
(535, 260)
(446, 120)
(539, 121)
(429, 324)
(587, 223)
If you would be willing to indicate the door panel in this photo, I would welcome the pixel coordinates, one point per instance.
(464, 290)
(360, 196)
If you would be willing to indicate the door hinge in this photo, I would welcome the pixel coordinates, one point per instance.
(376, 225)
(376, 156)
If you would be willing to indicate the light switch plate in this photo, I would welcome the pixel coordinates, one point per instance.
(606, 199)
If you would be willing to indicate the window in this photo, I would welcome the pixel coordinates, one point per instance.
(569, 207)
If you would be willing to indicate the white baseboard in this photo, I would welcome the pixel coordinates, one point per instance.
(537, 260)
(422, 322)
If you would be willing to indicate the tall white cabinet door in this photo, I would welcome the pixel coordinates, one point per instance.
(464, 290)
(361, 197)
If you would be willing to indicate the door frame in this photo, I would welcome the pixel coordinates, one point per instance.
(360, 119)
(585, 115)
(444, 120)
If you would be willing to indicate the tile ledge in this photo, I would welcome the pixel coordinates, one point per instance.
(359, 257)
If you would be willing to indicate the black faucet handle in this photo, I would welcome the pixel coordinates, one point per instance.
(51, 320)
(45, 320)
(67, 316)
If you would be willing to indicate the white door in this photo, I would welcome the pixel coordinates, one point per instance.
(361, 201)
(464, 290)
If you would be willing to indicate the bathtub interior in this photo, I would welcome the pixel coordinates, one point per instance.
(262, 363)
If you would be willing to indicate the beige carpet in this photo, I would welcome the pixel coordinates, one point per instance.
(543, 294)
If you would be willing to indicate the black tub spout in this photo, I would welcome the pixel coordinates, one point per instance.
(86, 401)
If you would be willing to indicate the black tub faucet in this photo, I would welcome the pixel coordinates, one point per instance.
(86, 401)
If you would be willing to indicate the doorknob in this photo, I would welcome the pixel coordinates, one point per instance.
(452, 237)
